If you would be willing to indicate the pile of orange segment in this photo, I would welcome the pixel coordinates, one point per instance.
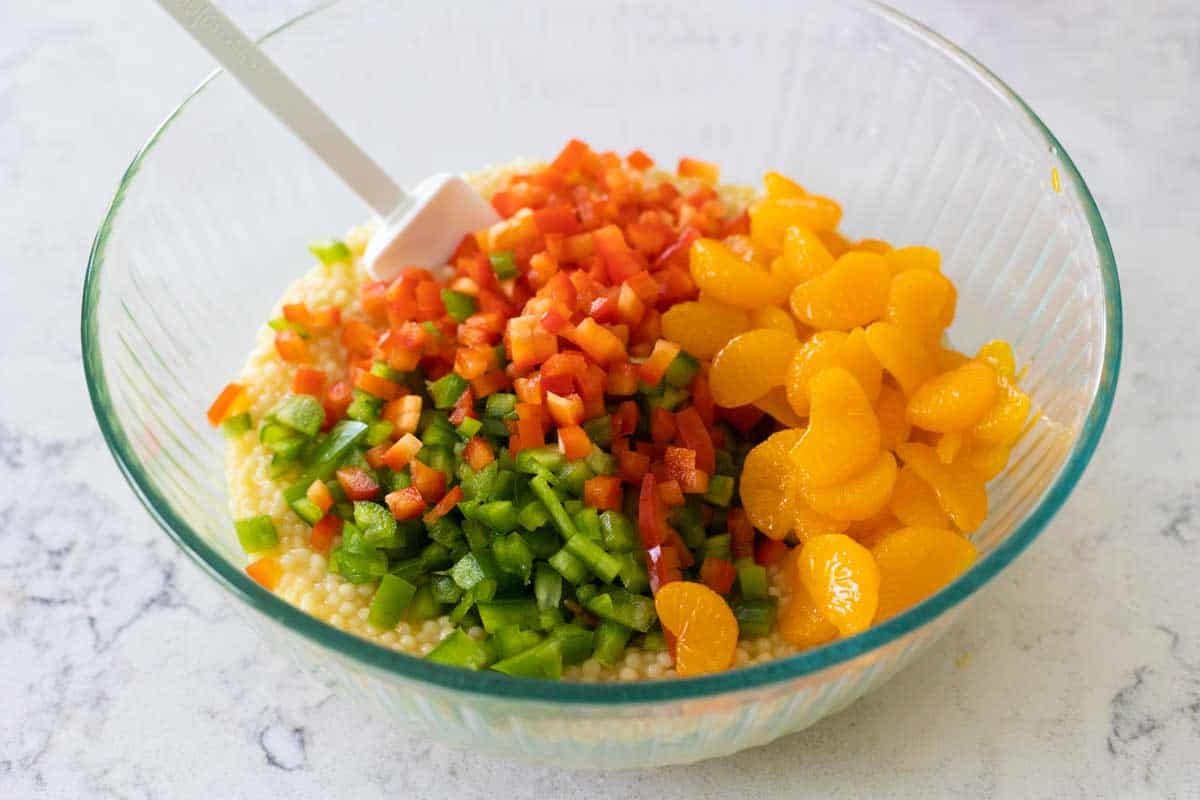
(891, 435)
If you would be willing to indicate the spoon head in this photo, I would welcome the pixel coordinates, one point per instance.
(426, 231)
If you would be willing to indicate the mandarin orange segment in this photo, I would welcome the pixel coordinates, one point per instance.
(840, 576)
(778, 185)
(874, 246)
(857, 498)
(870, 532)
(1005, 420)
(809, 523)
(775, 403)
(842, 438)
(819, 352)
(804, 256)
(901, 354)
(891, 409)
(750, 365)
(948, 445)
(999, 354)
(960, 490)
(703, 327)
(946, 358)
(851, 293)
(914, 502)
(721, 273)
(987, 460)
(915, 562)
(922, 303)
(773, 317)
(703, 625)
(955, 400)
(767, 485)
(801, 623)
(903, 259)
(859, 361)
(770, 218)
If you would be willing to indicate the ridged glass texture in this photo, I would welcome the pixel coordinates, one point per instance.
(919, 143)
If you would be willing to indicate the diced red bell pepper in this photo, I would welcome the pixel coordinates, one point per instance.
(663, 566)
(650, 517)
(769, 552)
(600, 344)
(358, 337)
(529, 390)
(374, 299)
(464, 407)
(625, 419)
(741, 534)
(621, 379)
(266, 571)
(374, 456)
(718, 574)
(602, 492)
(430, 482)
(291, 347)
(401, 454)
(680, 465)
(630, 308)
(619, 261)
(573, 442)
(357, 484)
(472, 362)
(565, 411)
(308, 381)
(678, 250)
(662, 426)
(702, 400)
(639, 160)
(693, 434)
(444, 505)
(670, 493)
(701, 170)
(478, 453)
(556, 219)
(655, 367)
(227, 401)
(489, 384)
(375, 385)
(542, 267)
(323, 533)
(320, 495)
(632, 465)
(336, 401)
(406, 503)
(529, 425)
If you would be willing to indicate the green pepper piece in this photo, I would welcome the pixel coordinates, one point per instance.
(617, 532)
(681, 370)
(654, 641)
(720, 490)
(600, 432)
(610, 641)
(541, 489)
(237, 425)
(572, 476)
(336, 446)
(547, 587)
(511, 640)
(752, 580)
(587, 522)
(256, 534)
(446, 390)
(423, 605)
(633, 573)
(576, 643)
(535, 460)
(754, 617)
(495, 614)
(543, 661)
(513, 556)
(390, 601)
(569, 566)
(468, 427)
(603, 565)
(377, 523)
(543, 542)
(504, 263)
(600, 462)
(631, 610)
(445, 590)
(364, 407)
(458, 305)
(502, 405)
(358, 567)
(460, 650)
(499, 515)
(330, 251)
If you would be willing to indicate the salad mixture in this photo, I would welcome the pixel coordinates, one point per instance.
(645, 426)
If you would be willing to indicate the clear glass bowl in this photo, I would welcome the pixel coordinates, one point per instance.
(919, 142)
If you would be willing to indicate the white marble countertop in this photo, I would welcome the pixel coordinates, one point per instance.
(125, 673)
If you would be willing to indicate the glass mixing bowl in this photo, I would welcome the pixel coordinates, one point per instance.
(919, 142)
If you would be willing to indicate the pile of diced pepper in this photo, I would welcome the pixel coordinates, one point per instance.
(520, 447)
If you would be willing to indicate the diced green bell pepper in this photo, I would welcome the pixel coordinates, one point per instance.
(256, 534)
(460, 650)
(390, 601)
(609, 643)
(542, 661)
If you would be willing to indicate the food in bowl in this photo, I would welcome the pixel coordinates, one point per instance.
(648, 425)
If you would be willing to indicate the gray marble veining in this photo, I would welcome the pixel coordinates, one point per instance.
(124, 673)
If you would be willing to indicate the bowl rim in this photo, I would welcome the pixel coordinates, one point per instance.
(488, 683)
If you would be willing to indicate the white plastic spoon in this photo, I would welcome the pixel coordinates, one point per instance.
(419, 228)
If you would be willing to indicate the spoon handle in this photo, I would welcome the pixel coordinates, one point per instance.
(276, 91)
